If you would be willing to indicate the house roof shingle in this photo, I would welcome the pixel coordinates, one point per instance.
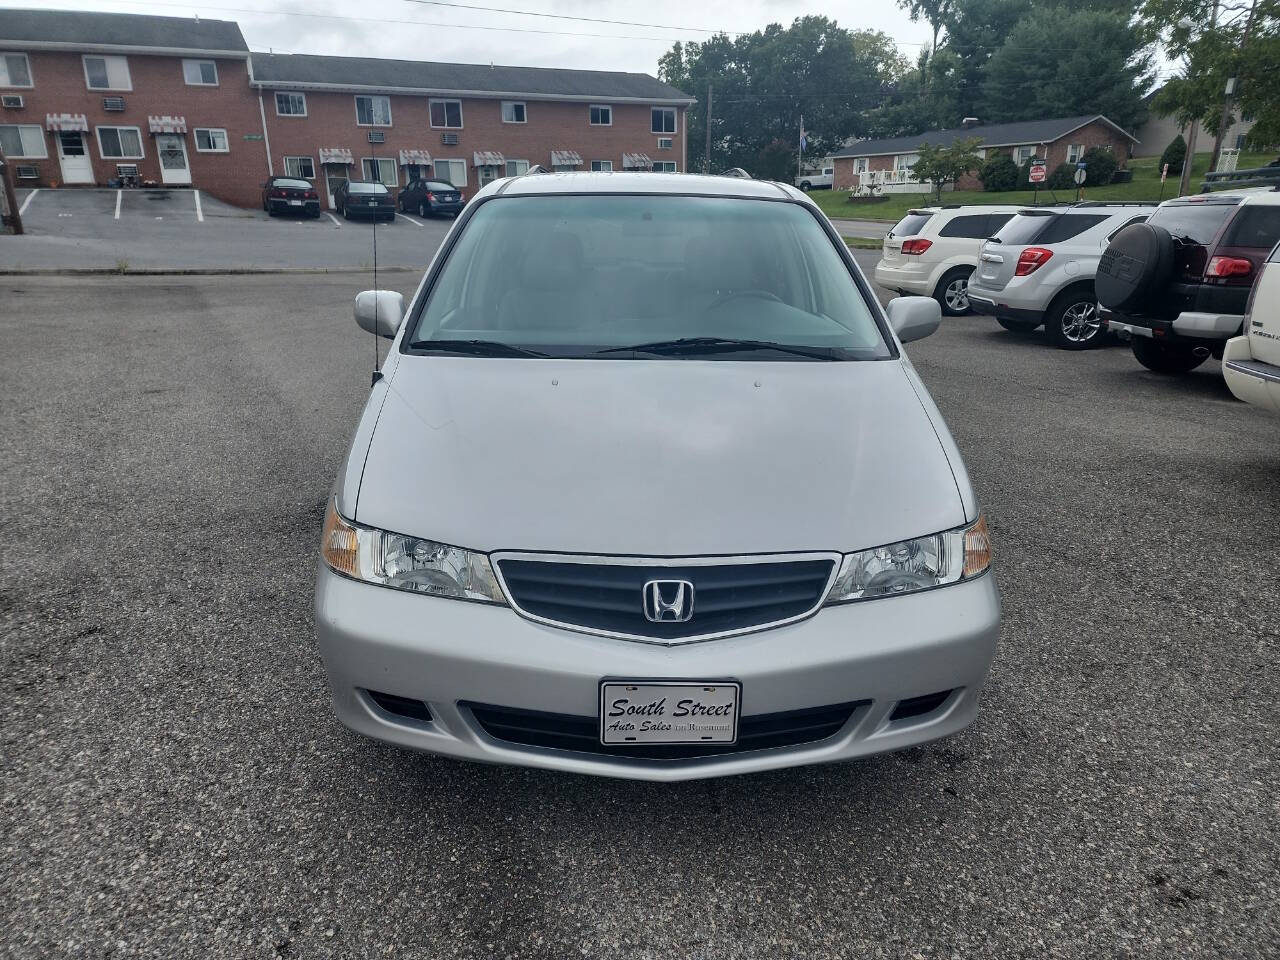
(305, 71)
(992, 134)
(98, 30)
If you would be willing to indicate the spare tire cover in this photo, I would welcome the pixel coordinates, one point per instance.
(1137, 264)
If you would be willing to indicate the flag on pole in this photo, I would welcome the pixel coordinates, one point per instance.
(804, 137)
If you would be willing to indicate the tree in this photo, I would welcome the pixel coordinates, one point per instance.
(1099, 166)
(943, 165)
(1174, 154)
(1062, 178)
(1100, 64)
(935, 12)
(999, 174)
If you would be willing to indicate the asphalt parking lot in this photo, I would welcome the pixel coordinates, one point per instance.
(175, 785)
(187, 229)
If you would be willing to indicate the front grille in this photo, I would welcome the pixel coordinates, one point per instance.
(562, 731)
(608, 597)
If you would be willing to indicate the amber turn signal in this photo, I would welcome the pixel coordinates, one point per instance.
(977, 548)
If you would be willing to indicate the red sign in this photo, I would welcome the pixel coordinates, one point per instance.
(1038, 174)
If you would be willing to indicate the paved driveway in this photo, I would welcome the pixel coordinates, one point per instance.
(173, 783)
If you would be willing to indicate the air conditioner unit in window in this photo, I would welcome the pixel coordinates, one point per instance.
(11, 101)
(377, 136)
(664, 143)
(126, 170)
(449, 139)
(114, 104)
(27, 173)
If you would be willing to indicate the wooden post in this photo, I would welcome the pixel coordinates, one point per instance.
(10, 197)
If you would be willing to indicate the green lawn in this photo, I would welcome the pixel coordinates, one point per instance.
(1145, 186)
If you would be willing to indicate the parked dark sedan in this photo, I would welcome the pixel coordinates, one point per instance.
(364, 198)
(430, 198)
(287, 195)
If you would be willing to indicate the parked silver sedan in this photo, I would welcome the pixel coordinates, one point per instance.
(648, 488)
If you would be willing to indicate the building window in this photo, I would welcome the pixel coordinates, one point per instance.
(200, 73)
(107, 73)
(516, 168)
(598, 166)
(601, 116)
(23, 142)
(300, 168)
(291, 104)
(662, 120)
(859, 165)
(1074, 152)
(382, 169)
(905, 161)
(119, 143)
(211, 140)
(373, 111)
(664, 143)
(447, 114)
(15, 70)
(664, 166)
(512, 112)
(452, 171)
(1022, 154)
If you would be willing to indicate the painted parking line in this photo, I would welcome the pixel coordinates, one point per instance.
(333, 218)
(199, 210)
(27, 202)
(416, 223)
(119, 197)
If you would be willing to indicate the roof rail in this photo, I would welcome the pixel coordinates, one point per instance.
(1115, 203)
(1234, 179)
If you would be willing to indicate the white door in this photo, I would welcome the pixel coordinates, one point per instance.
(173, 158)
(73, 154)
(335, 175)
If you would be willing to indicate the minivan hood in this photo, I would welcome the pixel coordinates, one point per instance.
(655, 458)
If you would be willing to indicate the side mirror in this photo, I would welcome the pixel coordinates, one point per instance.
(379, 311)
(913, 318)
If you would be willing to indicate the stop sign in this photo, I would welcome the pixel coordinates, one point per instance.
(1038, 173)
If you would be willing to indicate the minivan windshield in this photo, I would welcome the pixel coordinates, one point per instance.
(632, 277)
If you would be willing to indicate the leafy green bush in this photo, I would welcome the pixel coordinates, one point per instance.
(1174, 155)
(1062, 178)
(1100, 164)
(999, 174)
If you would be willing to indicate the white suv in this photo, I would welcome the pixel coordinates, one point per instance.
(1039, 269)
(1251, 363)
(932, 251)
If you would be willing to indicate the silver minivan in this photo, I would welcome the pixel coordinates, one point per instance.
(648, 488)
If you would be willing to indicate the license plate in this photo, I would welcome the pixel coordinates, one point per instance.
(639, 712)
(295, 203)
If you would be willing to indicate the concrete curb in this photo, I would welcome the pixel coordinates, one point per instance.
(188, 271)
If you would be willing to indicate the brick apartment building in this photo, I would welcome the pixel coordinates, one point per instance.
(97, 98)
(1061, 140)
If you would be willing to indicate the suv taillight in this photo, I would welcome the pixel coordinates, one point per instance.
(1228, 267)
(1031, 260)
(913, 248)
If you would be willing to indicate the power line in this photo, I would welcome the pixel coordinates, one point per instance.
(565, 16)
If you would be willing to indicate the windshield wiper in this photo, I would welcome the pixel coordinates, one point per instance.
(692, 346)
(473, 348)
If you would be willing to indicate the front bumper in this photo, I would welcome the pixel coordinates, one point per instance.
(907, 278)
(1253, 381)
(448, 652)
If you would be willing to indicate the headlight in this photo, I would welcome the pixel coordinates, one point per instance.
(407, 563)
(913, 564)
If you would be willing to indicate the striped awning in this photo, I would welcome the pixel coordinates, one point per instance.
(635, 161)
(420, 157)
(66, 121)
(167, 124)
(566, 158)
(335, 155)
(488, 158)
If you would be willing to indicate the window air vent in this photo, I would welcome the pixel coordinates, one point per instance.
(11, 101)
(664, 143)
(377, 136)
(27, 173)
(449, 139)
(126, 169)
(114, 104)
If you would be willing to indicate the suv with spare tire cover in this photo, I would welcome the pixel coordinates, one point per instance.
(1177, 285)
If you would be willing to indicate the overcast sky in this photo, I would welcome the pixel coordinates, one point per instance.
(422, 31)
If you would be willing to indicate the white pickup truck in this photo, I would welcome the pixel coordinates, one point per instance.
(816, 181)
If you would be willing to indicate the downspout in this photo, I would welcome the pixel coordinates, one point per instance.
(262, 115)
(684, 140)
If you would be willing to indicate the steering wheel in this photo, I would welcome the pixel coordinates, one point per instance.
(738, 294)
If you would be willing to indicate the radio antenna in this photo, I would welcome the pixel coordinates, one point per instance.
(377, 293)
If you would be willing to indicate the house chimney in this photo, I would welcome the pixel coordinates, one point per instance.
(968, 122)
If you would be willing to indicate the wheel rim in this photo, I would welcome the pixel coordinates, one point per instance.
(957, 294)
(1080, 322)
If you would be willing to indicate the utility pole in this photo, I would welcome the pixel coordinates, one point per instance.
(10, 198)
(706, 156)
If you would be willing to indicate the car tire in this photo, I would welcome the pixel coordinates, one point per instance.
(423, 211)
(806, 186)
(1072, 321)
(1017, 326)
(952, 292)
(1169, 358)
(343, 210)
